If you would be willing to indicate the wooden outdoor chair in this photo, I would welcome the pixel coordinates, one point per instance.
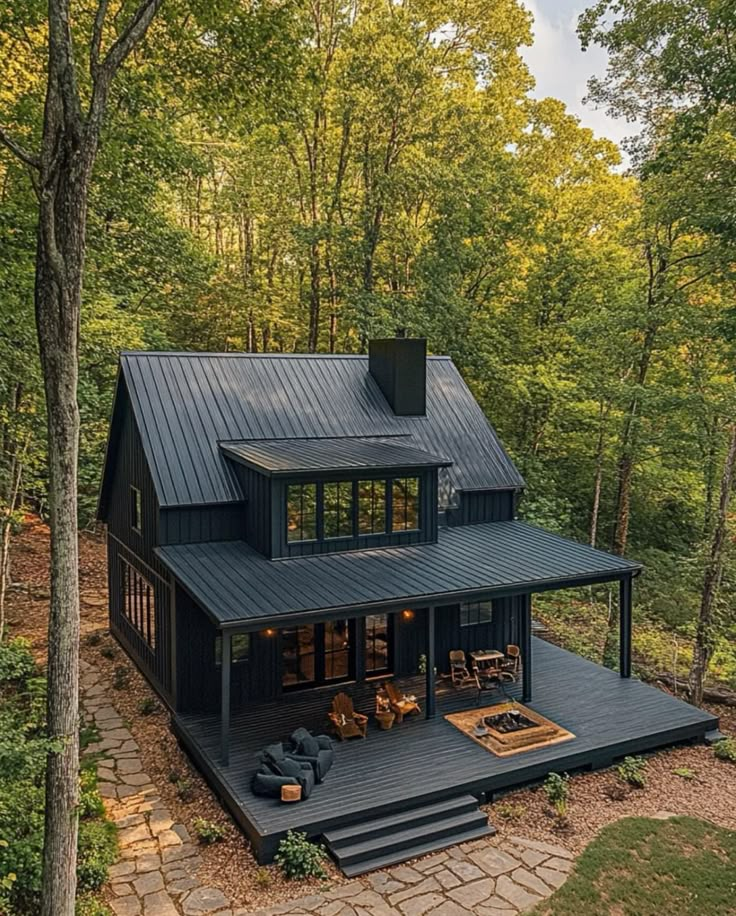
(459, 672)
(511, 664)
(400, 704)
(488, 679)
(346, 721)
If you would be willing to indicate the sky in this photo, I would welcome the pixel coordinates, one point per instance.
(561, 69)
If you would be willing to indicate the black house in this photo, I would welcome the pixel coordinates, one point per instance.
(284, 527)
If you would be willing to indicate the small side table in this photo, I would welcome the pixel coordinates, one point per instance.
(291, 793)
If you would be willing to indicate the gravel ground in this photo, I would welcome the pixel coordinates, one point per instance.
(229, 865)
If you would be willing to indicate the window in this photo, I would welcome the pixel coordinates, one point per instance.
(371, 506)
(298, 654)
(405, 509)
(139, 603)
(337, 650)
(378, 643)
(337, 512)
(239, 648)
(135, 509)
(301, 512)
(475, 613)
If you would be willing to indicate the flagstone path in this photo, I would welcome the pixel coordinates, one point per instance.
(156, 874)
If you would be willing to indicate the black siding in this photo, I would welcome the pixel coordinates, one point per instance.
(478, 506)
(203, 523)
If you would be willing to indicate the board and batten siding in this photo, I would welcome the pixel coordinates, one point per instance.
(479, 506)
(136, 548)
(192, 524)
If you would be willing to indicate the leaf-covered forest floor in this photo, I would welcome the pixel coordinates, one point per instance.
(708, 790)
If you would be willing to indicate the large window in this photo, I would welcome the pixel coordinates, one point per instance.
(239, 648)
(298, 652)
(378, 643)
(301, 512)
(475, 613)
(139, 603)
(337, 650)
(337, 511)
(371, 506)
(405, 504)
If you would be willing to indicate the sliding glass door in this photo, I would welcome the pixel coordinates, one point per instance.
(317, 654)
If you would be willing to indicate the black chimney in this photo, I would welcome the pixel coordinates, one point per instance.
(399, 366)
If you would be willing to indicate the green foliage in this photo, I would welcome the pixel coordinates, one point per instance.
(185, 790)
(644, 867)
(90, 801)
(685, 773)
(509, 811)
(263, 878)
(632, 770)
(298, 858)
(208, 832)
(120, 677)
(16, 660)
(91, 905)
(725, 749)
(557, 789)
(147, 706)
(98, 847)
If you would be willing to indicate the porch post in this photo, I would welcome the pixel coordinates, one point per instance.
(225, 700)
(624, 610)
(430, 704)
(526, 647)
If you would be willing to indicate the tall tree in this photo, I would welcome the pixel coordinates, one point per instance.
(61, 172)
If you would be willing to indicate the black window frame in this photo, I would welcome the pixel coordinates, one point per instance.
(238, 656)
(301, 485)
(369, 639)
(476, 613)
(349, 512)
(136, 510)
(393, 481)
(138, 603)
(374, 482)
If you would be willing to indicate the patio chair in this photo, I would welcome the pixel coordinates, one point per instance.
(346, 721)
(512, 662)
(459, 668)
(399, 703)
(488, 679)
(316, 751)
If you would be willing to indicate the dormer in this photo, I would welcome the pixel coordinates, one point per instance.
(323, 495)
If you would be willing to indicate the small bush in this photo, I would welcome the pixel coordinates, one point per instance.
(298, 858)
(557, 790)
(94, 639)
(185, 790)
(174, 776)
(684, 773)
(16, 661)
(90, 802)
(89, 905)
(263, 878)
(98, 848)
(147, 706)
(120, 678)
(208, 832)
(725, 749)
(509, 811)
(89, 733)
(108, 652)
(632, 771)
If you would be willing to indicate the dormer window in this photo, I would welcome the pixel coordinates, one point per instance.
(371, 506)
(337, 509)
(301, 512)
(405, 504)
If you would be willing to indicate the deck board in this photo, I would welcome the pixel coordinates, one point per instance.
(421, 759)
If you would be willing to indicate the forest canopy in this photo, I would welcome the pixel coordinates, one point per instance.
(292, 175)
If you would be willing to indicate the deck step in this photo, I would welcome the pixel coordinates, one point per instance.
(380, 842)
(713, 737)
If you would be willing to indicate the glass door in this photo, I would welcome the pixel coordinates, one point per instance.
(318, 654)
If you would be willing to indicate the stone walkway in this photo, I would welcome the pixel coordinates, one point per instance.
(156, 874)
(474, 879)
(157, 871)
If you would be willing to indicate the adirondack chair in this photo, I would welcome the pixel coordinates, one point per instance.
(399, 703)
(459, 668)
(346, 721)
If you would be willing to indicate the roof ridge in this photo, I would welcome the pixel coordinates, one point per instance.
(240, 355)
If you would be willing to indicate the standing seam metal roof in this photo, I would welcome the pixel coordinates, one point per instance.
(185, 404)
(236, 584)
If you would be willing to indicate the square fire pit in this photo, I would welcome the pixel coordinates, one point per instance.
(508, 728)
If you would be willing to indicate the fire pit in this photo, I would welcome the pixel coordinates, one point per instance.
(508, 728)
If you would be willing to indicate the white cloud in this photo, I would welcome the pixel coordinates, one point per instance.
(562, 69)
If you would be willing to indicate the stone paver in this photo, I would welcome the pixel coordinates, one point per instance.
(157, 871)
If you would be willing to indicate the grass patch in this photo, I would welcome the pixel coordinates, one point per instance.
(644, 867)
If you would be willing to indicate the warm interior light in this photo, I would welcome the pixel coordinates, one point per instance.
(407, 615)
(269, 632)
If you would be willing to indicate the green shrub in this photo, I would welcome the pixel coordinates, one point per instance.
(94, 639)
(108, 652)
(208, 832)
(185, 790)
(298, 858)
(16, 661)
(263, 878)
(632, 771)
(120, 678)
(90, 802)
(98, 849)
(174, 776)
(684, 773)
(725, 749)
(556, 788)
(89, 905)
(89, 733)
(509, 811)
(147, 706)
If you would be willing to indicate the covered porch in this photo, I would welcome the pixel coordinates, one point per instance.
(428, 759)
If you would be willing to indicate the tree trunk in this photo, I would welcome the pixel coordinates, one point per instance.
(597, 485)
(704, 638)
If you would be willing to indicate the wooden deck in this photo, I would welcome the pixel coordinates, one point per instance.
(431, 760)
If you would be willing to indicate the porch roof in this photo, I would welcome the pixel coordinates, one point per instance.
(238, 587)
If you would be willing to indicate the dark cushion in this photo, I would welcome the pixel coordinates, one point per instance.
(324, 742)
(320, 762)
(290, 767)
(305, 743)
(269, 785)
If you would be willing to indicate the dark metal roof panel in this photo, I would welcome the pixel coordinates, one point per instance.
(235, 584)
(187, 403)
(282, 456)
